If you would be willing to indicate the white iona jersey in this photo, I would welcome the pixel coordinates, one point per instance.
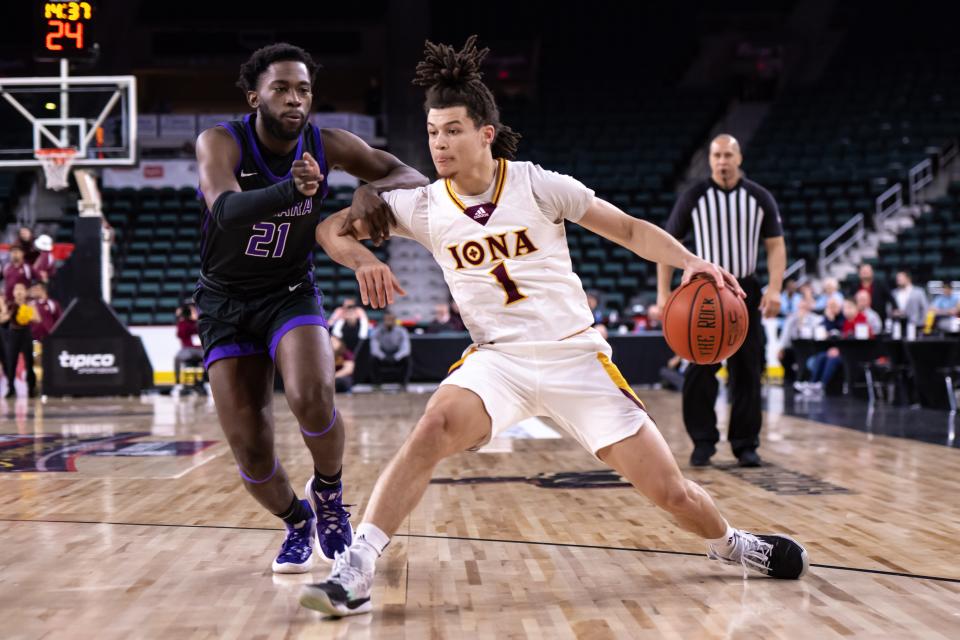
(508, 269)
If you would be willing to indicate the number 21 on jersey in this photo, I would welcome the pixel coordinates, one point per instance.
(263, 236)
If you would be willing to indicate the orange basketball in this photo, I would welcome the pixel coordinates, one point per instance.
(704, 324)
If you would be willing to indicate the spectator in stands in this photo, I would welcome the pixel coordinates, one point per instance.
(946, 306)
(879, 293)
(831, 291)
(800, 324)
(863, 301)
(833, 316)
(349, 323)
(823, 366)
(651, 321)
(911, 302)
(343, 365)
(45, 264)
(190, 353)
(48, 309)
(602, 330)
(455, 316)
(26, 242)
(789, 298)
(594, 302)
(16, 271)
(389, 349)
(4, 338)
(20, 339)
(805, 292)
(442, 321)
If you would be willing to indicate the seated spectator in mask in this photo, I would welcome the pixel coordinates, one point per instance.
(48, 309)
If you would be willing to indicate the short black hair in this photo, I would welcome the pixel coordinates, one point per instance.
(263, 57)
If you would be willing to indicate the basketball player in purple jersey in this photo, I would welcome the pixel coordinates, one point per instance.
(262, 179)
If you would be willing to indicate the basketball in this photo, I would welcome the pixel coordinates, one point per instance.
(704, 324)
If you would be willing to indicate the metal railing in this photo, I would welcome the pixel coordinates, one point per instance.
(888, 203)
(919, 176)
(838, 242)
(798, 270)
(948, 154)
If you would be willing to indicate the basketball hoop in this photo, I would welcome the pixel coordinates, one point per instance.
(56, 163)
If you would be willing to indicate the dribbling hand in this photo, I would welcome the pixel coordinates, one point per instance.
(718, 274)
(306, 175)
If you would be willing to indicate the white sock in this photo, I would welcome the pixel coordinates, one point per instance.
(724, 544)
(368, 543)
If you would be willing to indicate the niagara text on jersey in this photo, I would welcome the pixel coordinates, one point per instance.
(504, 253)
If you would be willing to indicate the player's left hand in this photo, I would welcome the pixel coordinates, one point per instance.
(718, 274)
(306, 175)
(770, 303)
(375, 214)
(377, 284)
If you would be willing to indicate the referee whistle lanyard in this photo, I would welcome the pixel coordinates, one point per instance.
(480, 213)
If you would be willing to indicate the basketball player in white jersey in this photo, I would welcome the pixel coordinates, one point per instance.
(496, 228)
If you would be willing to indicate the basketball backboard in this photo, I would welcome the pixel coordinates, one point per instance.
(95, 115)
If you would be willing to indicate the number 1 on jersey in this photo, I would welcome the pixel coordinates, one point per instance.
(509, 286)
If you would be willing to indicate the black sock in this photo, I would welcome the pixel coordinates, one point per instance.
(322, 482)
(296, 513)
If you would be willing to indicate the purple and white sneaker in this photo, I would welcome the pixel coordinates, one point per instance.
(297, 551)
(333, 520)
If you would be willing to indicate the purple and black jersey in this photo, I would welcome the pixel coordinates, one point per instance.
(249, 261)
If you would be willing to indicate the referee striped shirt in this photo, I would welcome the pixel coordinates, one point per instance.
(727, 224)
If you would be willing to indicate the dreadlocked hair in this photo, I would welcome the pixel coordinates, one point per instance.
(453, 79)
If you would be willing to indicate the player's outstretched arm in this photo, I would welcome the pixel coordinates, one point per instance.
(652, 243)
(218, 155)
(377, 282)
(380, 170)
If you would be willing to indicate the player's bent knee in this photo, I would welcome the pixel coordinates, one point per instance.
(255, 461)
(311, 401)
(435, 436)
(673, 496)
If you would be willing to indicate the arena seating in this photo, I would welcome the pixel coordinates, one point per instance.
(631, 150)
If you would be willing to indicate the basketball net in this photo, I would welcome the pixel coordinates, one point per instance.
(56, 163)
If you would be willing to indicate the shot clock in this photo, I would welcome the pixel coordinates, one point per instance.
(65, 30)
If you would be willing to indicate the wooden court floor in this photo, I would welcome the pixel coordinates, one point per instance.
(126, 519)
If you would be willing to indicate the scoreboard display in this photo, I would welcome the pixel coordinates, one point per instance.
(64, 29)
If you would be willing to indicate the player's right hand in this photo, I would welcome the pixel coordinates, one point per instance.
(377, 284)
(306, 175)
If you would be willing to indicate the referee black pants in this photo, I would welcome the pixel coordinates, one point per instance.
(700, 387)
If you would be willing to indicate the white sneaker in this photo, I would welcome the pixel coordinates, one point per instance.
(346, 591)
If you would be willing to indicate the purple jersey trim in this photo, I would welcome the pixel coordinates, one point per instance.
(293, 323)
(259, 159)
(237, 350)
(236, 138)
(322, 160)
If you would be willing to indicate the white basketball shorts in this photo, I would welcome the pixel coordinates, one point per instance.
(573, 382)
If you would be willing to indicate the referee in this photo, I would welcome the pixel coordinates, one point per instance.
(728, 215)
